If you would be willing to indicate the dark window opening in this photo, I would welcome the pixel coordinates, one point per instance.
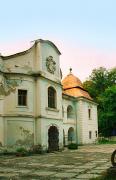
(22, 97)
(51, 97)
(89, 113)
(96, 133)
(90, 134)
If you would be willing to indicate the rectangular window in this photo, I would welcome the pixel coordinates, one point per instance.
(90, 134)
(89, 113)
(51, 97)
(22, 97)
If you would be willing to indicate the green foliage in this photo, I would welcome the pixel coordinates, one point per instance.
(99, 80)
(107, 113)
(21, 150)
(101, 85)
(72, 146)
(103, 140)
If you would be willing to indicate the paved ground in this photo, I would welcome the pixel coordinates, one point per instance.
(82, 164)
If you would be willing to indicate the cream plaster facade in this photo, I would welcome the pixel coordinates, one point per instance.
(31, 123)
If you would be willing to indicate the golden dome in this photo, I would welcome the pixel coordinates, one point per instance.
(72, 86)
(71, 81)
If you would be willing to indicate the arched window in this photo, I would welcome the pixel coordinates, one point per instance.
(71, 134)
(70, 112)
(51, 97)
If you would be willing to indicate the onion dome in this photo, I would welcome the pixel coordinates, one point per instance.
(71, 81)
(73, 86)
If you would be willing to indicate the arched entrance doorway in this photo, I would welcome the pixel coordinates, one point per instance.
(53, 138)
(71, 135)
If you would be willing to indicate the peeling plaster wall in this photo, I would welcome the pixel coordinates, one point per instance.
(20, 131)
(11, 101)
(12, 112)
(22, 63)
(28, 71)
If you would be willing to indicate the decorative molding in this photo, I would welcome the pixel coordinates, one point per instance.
(52, 109)
(17, 115)
(50, 64)
(51, 118)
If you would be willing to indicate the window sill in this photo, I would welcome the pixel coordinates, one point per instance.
(52, 109)
(21, 106)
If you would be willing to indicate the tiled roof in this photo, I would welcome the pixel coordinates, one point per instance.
(73, 86)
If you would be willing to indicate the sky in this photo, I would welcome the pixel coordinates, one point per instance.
(83, 30)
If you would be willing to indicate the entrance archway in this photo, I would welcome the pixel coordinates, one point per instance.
(71, 135)
(53, 138)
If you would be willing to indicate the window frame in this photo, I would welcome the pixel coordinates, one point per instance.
(26, 100)
(52, 98)
(70, 114)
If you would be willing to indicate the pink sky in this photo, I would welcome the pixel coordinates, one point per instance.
(84, 60)
(81, 59)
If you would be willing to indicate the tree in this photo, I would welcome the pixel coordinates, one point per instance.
(107, 112)
(99, 80)
(101, 85)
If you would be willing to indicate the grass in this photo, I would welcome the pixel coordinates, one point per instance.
(105, 141)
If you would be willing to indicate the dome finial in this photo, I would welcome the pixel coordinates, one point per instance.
(70, 70)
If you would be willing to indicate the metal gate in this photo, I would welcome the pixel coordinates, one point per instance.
(53, 138)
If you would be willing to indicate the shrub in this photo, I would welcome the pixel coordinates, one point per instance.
(21, 150)
(72, 146)
(36, 149)
(102, 140)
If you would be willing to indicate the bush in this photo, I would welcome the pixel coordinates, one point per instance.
(102, 140)
(21, 150)
(72, 146)
(36, 149)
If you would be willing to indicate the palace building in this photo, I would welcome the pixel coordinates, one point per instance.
(37, 107)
